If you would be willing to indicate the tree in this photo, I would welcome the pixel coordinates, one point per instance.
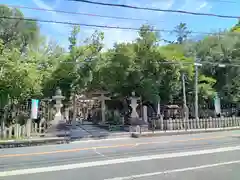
(139, 67)
(181, 32)
(74, 73)
(17, 32)
(236, 28)
(221, 50)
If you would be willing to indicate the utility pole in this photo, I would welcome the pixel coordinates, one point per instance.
(196, 91)
(196, 64)
(185, 107)
(184, 91)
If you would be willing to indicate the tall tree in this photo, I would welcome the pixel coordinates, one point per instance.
(181, 32)
(17, 32)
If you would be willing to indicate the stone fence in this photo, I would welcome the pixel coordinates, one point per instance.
(181, 124)
(28, 130)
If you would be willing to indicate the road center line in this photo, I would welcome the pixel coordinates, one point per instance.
(175, 170)
(106, 147)
(115, 161)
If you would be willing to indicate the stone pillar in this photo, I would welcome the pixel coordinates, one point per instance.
(145, 114)
(3, 129)
(134, 104)
(67, 114)
(29, 127)
(102, 98)
(158, 109)
(103, 110)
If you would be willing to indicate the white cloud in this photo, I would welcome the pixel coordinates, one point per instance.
(111, 35)
(41, 4)
(196, 5)
(162, 4)
(54, 16)
(166, 4)
(118, 36)
(204, 4)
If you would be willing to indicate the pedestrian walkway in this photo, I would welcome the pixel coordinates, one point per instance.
(78, 133)
(94, 130)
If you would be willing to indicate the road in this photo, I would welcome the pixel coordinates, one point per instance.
(196, 156)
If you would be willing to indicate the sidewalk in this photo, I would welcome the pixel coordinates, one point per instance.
(109, 135)
(32, 142)
(77, 134)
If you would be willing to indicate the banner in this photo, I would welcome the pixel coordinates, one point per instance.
(217, 105)
(34, 108)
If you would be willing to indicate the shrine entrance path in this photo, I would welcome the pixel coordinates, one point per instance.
(97, 131)
(94, 130)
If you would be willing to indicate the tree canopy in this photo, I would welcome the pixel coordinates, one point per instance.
(31, 67)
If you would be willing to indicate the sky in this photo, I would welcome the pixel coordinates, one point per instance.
(160, 20)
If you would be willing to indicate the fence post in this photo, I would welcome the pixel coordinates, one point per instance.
(161, 123)
(170, 123)
(35, 127)
(3, 129)
(15, 130)
(24, 130)
(10, 131)
(211, 122)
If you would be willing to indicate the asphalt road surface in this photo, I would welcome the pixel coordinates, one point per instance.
(192, 157)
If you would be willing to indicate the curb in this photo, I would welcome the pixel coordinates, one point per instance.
(171, 133)
(32, 142)
(55, 140)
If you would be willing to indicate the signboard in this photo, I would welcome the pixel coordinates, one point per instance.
(34, 108)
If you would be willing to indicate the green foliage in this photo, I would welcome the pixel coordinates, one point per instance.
(15, 32)
(236, 28)
(182, 33)
(30, 67)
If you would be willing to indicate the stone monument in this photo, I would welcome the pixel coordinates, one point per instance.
(134, 104)
(137, 123)
(58, 125)
(135, 119)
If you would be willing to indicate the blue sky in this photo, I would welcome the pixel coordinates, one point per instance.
(159, 20)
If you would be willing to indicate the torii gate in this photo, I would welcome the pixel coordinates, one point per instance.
(101, 96)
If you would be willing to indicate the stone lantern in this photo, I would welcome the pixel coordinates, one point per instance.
(58, 105)
(58, 125)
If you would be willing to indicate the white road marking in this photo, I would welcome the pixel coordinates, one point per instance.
(115, 161)
(175, 170)
(100, 140)
(98, 152)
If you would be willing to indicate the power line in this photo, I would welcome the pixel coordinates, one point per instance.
(223, 1)
(156, 9)
(106, 26)
(178, 63)
(76, 13)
